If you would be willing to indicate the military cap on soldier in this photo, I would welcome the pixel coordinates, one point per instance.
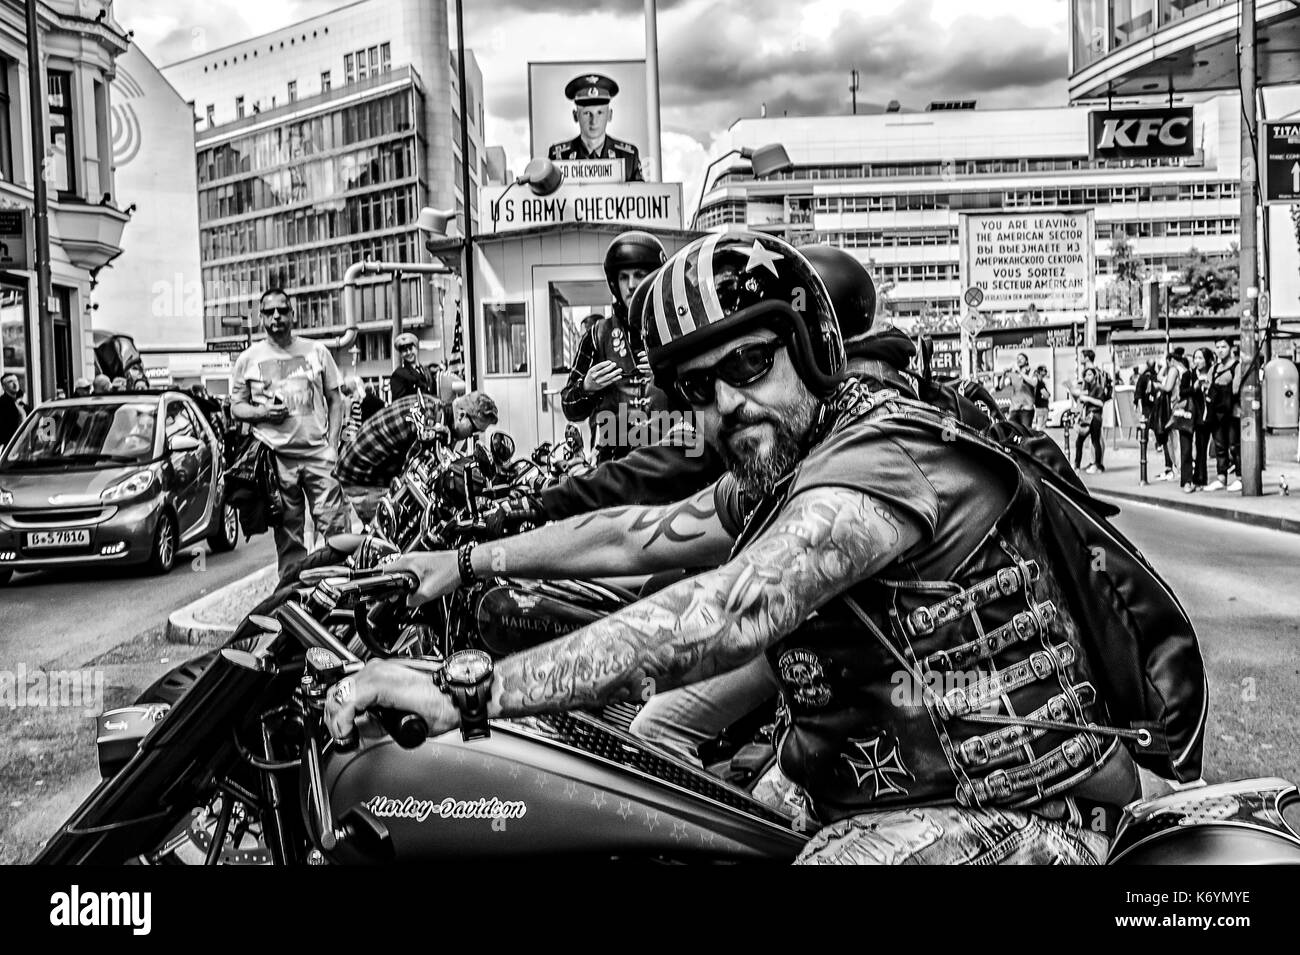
(591, 89)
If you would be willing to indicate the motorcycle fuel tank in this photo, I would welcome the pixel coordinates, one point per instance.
(513, 616)
(563, 785)
(1248, 822)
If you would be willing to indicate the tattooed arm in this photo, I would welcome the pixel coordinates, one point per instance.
(616, 542)
(824, 541)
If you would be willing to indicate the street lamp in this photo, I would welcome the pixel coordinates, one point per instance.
(765, 160)
(541, 176)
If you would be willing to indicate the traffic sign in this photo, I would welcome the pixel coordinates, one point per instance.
(1264, 306)
(1281, 154)
(973, 323)
(973, 296)
(227, 346)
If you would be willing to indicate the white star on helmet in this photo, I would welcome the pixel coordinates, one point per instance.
(761, 256)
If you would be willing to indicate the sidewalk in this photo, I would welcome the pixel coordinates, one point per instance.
(212, 619)
(1272, 509)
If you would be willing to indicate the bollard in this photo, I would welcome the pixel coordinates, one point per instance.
(1142, 449)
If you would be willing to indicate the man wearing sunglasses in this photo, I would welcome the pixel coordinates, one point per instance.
(288, 388)
(877, 563)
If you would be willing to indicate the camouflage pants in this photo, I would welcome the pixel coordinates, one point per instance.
(951, 835)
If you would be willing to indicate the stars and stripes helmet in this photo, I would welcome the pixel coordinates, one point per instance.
(727, 283)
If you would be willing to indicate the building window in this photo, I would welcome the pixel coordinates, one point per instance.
(212, 113)
(385, 57)
(374, 60)
(293, 91)
(62, 175)
(348, 74)
(325, 81)
(505, 333)
(6, 130)
(239, 107)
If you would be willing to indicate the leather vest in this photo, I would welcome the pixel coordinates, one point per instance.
(893, 692)
(631, 398)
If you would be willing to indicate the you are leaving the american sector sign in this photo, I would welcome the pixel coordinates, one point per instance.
(1035, 258)
(655, 204)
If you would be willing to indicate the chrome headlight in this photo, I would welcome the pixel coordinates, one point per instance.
(131, 486)
(6, 497)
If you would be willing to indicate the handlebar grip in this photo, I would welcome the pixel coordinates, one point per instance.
(408, 730)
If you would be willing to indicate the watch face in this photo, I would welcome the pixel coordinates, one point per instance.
(467, 667)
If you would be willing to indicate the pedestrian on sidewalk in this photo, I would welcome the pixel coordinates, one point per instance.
(1163, 411)
(1042, 398)
(1225, 408)
(1203, 421)
(288, 388)
(1090, 398)
(1023, 386)
(1182, 422)
(1144, 394)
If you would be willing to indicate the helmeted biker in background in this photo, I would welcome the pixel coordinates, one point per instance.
(609, 382)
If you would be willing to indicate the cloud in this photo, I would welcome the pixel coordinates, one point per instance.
(908, 53)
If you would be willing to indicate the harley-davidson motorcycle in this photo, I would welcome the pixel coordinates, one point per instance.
(234, 766)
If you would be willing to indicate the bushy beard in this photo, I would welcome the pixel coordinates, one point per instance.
(758, 471)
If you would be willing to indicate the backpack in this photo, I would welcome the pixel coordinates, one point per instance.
(1107, 386)
(1144, 648)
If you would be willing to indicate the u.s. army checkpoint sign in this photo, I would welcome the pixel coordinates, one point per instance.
(654, 204)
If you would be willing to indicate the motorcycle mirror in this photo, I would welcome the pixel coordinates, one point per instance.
(503, 447)
(484, 460)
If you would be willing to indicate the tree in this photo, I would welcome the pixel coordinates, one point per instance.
(1125, 292)
(1212, 282)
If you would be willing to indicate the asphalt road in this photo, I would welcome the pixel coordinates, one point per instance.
(67, 617)
(1241, 587)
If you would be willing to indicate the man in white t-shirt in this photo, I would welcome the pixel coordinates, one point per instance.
(288, 388)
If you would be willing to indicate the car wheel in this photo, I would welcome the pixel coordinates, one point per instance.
(225, 535)
(163, 555)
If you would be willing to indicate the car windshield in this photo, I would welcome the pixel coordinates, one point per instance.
(94, 435)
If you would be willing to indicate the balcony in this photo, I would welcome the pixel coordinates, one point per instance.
(90, 233)
(1148, 47)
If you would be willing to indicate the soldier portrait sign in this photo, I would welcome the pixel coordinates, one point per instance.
(590, 118)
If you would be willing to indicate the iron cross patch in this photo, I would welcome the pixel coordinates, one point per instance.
(872, 764)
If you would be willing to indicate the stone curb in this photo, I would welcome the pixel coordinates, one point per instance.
(213, 617)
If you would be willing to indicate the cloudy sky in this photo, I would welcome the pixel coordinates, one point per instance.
(719, 59)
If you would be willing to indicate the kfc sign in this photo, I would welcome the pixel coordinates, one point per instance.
(1141, 133)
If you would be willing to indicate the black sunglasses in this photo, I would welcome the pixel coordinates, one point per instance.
(744, 366)
(276, 310)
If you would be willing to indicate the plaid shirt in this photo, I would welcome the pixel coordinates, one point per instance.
(379, 451)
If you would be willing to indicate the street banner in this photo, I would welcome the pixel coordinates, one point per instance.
(1042, 258)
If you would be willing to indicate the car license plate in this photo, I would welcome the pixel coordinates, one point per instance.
(59, 539)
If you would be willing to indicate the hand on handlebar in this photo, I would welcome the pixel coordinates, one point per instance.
(437, 572)
(390, 684)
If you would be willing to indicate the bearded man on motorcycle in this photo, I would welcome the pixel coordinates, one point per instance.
(879, 557)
